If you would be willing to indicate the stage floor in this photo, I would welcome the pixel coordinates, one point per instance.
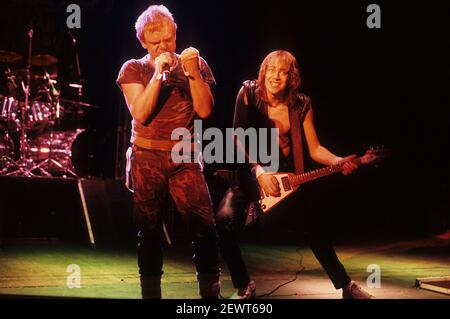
(31, 270)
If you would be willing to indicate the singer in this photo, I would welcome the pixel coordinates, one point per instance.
(157, 110)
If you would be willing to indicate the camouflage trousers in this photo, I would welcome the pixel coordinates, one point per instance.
(155, 177)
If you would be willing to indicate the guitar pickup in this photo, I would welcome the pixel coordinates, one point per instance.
(286, 184)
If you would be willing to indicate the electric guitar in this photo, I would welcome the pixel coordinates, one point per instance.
(289, 182)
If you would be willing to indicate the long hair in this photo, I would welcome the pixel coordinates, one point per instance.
(293, 82)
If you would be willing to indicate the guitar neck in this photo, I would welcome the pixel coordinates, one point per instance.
(318, 173)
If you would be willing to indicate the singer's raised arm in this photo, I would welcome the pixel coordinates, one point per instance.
(202, 98)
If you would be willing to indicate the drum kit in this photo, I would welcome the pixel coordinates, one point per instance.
(34, 140)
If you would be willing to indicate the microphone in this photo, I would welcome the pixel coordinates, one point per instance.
(166, 73)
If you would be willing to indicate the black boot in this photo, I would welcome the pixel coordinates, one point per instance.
(209, 286)
(151, 287)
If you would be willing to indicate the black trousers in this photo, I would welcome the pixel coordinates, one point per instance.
(230, 219)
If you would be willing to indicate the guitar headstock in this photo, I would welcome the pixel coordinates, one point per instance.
(375, 155)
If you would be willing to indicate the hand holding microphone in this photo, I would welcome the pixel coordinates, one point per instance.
(165, 73)
(163, 66)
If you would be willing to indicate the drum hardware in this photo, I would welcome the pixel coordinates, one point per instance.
(76, 103)
(23, 163)
(45, 165)
(53, 152)
(38, 114)
(9, 114)
(7, 58)
(32, 141)
(77, 63)
(11, 77)
(6, 150)
(79, 85)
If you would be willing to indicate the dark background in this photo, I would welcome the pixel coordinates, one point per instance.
(385, 86)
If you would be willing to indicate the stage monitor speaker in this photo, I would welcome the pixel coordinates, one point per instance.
(80, 211)
(42, 209)
(110, 207)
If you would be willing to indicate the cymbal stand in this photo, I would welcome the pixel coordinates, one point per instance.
(79, 85)
(23, 164)
(5, 109)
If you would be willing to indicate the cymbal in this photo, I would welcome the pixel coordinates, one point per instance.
(43, 60)
(9, 56)
(21, 73)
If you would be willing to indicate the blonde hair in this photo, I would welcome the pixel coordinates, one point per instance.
(152, 19)
(294, 80)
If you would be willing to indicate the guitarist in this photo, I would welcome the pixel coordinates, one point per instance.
(273, 101)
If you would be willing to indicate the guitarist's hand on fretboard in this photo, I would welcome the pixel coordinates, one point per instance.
(349, 165)
(269, 184)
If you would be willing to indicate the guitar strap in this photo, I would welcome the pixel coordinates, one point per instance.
(249, 90)
(296, 138)
(296, 116)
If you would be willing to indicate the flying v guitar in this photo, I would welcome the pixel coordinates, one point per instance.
(290, 182)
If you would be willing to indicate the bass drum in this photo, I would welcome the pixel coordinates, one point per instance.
(86, 153)
(68, 152)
